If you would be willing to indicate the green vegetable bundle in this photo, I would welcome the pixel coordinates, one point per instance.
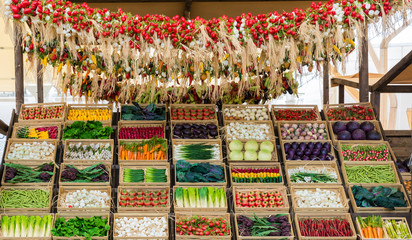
(197, 151)
(81, 227)
(397, 229)
(24, 226)
(87, 130)
(199, 172)
(370, 174)
(149, 175)
(378, 197)
(203, 197)
(24, 198)
(308, 177)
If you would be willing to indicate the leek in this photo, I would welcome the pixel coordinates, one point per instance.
(32, 221)
(24, 221)
(203, 196)
(192, 197)
(186, 198)
(37, 227)
(5, 226)
(222, 198)
(211, 200)
(179, 197)
(12, 226)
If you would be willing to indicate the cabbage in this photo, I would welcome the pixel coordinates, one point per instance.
(250, 156)
(265, 155)
(235, 145)
(251, 145)
(236, 156)
(267, 146)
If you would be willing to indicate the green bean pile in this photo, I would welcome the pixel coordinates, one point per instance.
(14, 198)
(370, 174)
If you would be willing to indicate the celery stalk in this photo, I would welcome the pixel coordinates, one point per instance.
(12, 226)
(5, 226)
(192, 197)
(23, 226)
(211, 195)
(37, 227)
(179, 197)
(203, 197)
(30, 229)
(186, 198)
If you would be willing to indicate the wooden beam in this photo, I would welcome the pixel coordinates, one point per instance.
(186, 11)
(341, 93)
(397, 89)
(4, 128)
(376, 102)
(18, 68)
(40, 94)
(364, 68)
(326, 81)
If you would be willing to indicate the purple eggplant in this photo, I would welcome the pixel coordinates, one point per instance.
(302, 146)
(294, 145)
(318, 145)
(311, 145)
(286, 146)
(306, 157)
(316, 152)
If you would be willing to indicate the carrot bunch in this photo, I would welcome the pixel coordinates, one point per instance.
(153, 149)
(371, 226)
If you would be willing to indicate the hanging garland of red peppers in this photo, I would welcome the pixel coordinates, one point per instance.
(116, 56)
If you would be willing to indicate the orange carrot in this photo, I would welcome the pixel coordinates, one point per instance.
(365, 233)
(379, 231)
(370, 232)
(130, 155)
(375, 232)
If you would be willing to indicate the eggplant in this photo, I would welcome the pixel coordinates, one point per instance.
(195, 131)
(299, 152)
(195, 126)
(213, 133)
(291, 152)
(196, 136)
(289, 157)
(203, 127)
(203, 136)
(318, 145)
(316, 152)
(286, 146)
(211, 126)
(322, 157)
(187, 137)
(295, 145)
(178, 126)
(311, 145)
(324, 151)
(327, 146)
(296, 157)
(329, 157)
(177, 132)
(302, 146)
(186, 126)
(308, 152)
(305, 158)
(312, 157)
(187, 131)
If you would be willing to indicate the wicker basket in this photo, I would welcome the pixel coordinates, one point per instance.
(43, 105)
(240, 164)
(325, 216)
(209, 142)
(274, 189)
(31, 165)
(64, 190)
(330, 166)
(36, 124)
(159, 209)
(140, 124)
(281, 123)
(89, 107)
(87, 142)
(385, 233)
(180, 216)
(275, 108)
(11, 143)
(150, 162)
(196, 184)
(28, 215)
(241, 107)
(352, 164)
(28, 210)
(282, 147)
(82, 166)
(339, 190)
(140, 216)
(121, 176)
(364, 143)
(334, 136)
(274, 153)
(143, 106)
(173, 124)
(211, 107)
(327, 107)
(270, 135)
(185, 209)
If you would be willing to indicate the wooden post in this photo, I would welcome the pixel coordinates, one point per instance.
(363, 68)
(376, 102)
(341, 93)
(18, 69)
(40, 94)
(326, 81)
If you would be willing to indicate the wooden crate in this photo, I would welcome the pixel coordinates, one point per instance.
(68, 216)
(86, 142)
(173, 124)
(275, 108)
(327, 107)
(180, 216)
(274, 153)
(339, 190)
(392, 165)
(28, 215)
(122, 209)
(332, 152)
(151, 162)
(89, 107)
(334, 136)
(200, 141)
(325, 216)
(142, 124)
(121, 173)
(82, 166)
(195, 184)
(185, 209)
(251, 215)
(28, 210)
(240, 164)
(364, 143)
(377, 210)
(240, 107)
(31, 165)
(332, 166)
(385, 233)
(143, 106)
(276, 188)
(64, 190)
(270, 135)
(140, 216)
(282, 123)
(12, 142)
(34, 124)
(31, 105)
(212, 107)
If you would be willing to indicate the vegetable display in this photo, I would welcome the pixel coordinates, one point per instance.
(325, 227)
(199, 172)
(295, 114)
(37, 132)
(17, 173)
(249, 131)
(259, 199)
(209, 226)
(141, 132)
(378, 197)
(198, 151)
(86, 199)
(248, 114)
(42, 112)
(95, 173)
(193, 113)
(396, 229)
(303, 131)
(143, 199)
(31, 151)
(371, 226)
(148, 175)
(89, 151)
(202, 197)
(153, 149)
(24, 198)
(365, 152)
(100, 114)
(308, 151)
(253, 150)
(95, 226)
(355, 131)
(21, 226)
(313, 174)
(354, 112)
(318, 198)
(274, 225)
(195, 131)
(370, 174)
(140, 227)
(87, 130)
(256, 175)
(136, 112)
